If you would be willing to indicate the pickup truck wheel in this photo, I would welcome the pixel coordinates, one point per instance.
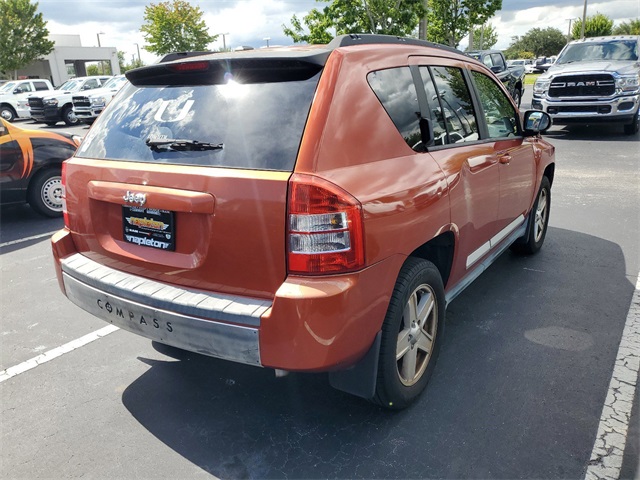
(633, 127)
(45, 193)
(411, 334)
(7, 113)
(517, 97)
(69, 117)
(538, 222)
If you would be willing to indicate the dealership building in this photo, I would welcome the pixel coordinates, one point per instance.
(69, 59)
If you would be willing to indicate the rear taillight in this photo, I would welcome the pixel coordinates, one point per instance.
(325, 228)
(65, 214)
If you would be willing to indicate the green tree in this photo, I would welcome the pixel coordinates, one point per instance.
(540, 42)
(632, 27)
(390, 17)
(175, 26)
(595, 26)
(23, 35)
(449, 21)
(483, 37)
(124, 66)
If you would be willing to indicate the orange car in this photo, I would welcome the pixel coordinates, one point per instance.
(303, 209)
(30, 164)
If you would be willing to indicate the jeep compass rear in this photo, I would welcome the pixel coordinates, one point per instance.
(275, 208)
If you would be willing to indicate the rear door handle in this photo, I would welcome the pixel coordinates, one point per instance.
(505, 159)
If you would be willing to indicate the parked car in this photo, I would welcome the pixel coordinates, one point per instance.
(14, 95)
(87, 107)
(594, 80)
(512, 76)
(527, 64)
(58, 105)
(30, 165)
(303, 209)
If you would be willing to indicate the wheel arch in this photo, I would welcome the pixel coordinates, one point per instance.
(439, 251)
(8, 105)
(549, 172)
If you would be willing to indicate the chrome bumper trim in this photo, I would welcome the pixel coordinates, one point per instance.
(175, 316)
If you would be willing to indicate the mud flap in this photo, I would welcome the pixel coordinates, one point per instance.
(360, 379)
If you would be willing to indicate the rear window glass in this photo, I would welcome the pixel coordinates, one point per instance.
(258, 125)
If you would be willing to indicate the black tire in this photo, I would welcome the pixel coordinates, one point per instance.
(45, 193)
(538, 222)
(633, 127)
(517, 97)
(8, 113)
(69, 117)
(403, 372)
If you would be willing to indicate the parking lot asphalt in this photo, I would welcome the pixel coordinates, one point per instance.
(518, 391)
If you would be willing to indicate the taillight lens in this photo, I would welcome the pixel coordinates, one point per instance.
(325, 228)
(65, 214)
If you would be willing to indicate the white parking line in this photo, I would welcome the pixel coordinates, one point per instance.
(55, 353)
(608, 451)
(35, 237)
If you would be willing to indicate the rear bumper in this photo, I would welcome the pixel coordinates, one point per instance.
(311, 324)
(169, 315)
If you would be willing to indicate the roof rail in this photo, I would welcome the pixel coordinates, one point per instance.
(368, 39)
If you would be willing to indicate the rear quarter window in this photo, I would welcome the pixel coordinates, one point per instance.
(396, 91)
(259, 125)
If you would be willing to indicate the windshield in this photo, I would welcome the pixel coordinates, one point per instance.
(7, 87)
(115, 82)
(68, 85)
(600, 51)
(257, 125)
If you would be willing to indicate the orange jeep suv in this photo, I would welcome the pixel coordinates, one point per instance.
(309, 209)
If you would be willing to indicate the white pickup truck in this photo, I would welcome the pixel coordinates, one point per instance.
(87, 106)
(14, 94)
(58, 106)
(594, 80)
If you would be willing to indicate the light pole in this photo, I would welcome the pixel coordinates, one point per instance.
(138, 47)
(569, 31)
(584, 19)
(101, 64)
(266, 39)
(224, 41)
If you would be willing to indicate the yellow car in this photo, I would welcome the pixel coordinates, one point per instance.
(30, 167)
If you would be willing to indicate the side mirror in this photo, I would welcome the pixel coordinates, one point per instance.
(496, 69)
(536, 122)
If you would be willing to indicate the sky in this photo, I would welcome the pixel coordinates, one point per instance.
(251, 22)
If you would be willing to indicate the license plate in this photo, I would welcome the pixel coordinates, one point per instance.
(149, 227)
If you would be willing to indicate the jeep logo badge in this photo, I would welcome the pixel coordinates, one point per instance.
(132, 197)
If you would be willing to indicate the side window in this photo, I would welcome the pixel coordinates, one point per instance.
(25, 87)
(89, 84)
(499, 114)
(450, 102)
(397, 93)
(488, 61)
(40, 86)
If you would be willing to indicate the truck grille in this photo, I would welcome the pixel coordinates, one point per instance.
(595, 85)
(36, 102)
(81, 102)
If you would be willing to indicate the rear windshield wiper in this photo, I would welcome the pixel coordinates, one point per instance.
(181, 145)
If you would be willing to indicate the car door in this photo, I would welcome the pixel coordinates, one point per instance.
(471, 168)
(12, 166)
(513, 154)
